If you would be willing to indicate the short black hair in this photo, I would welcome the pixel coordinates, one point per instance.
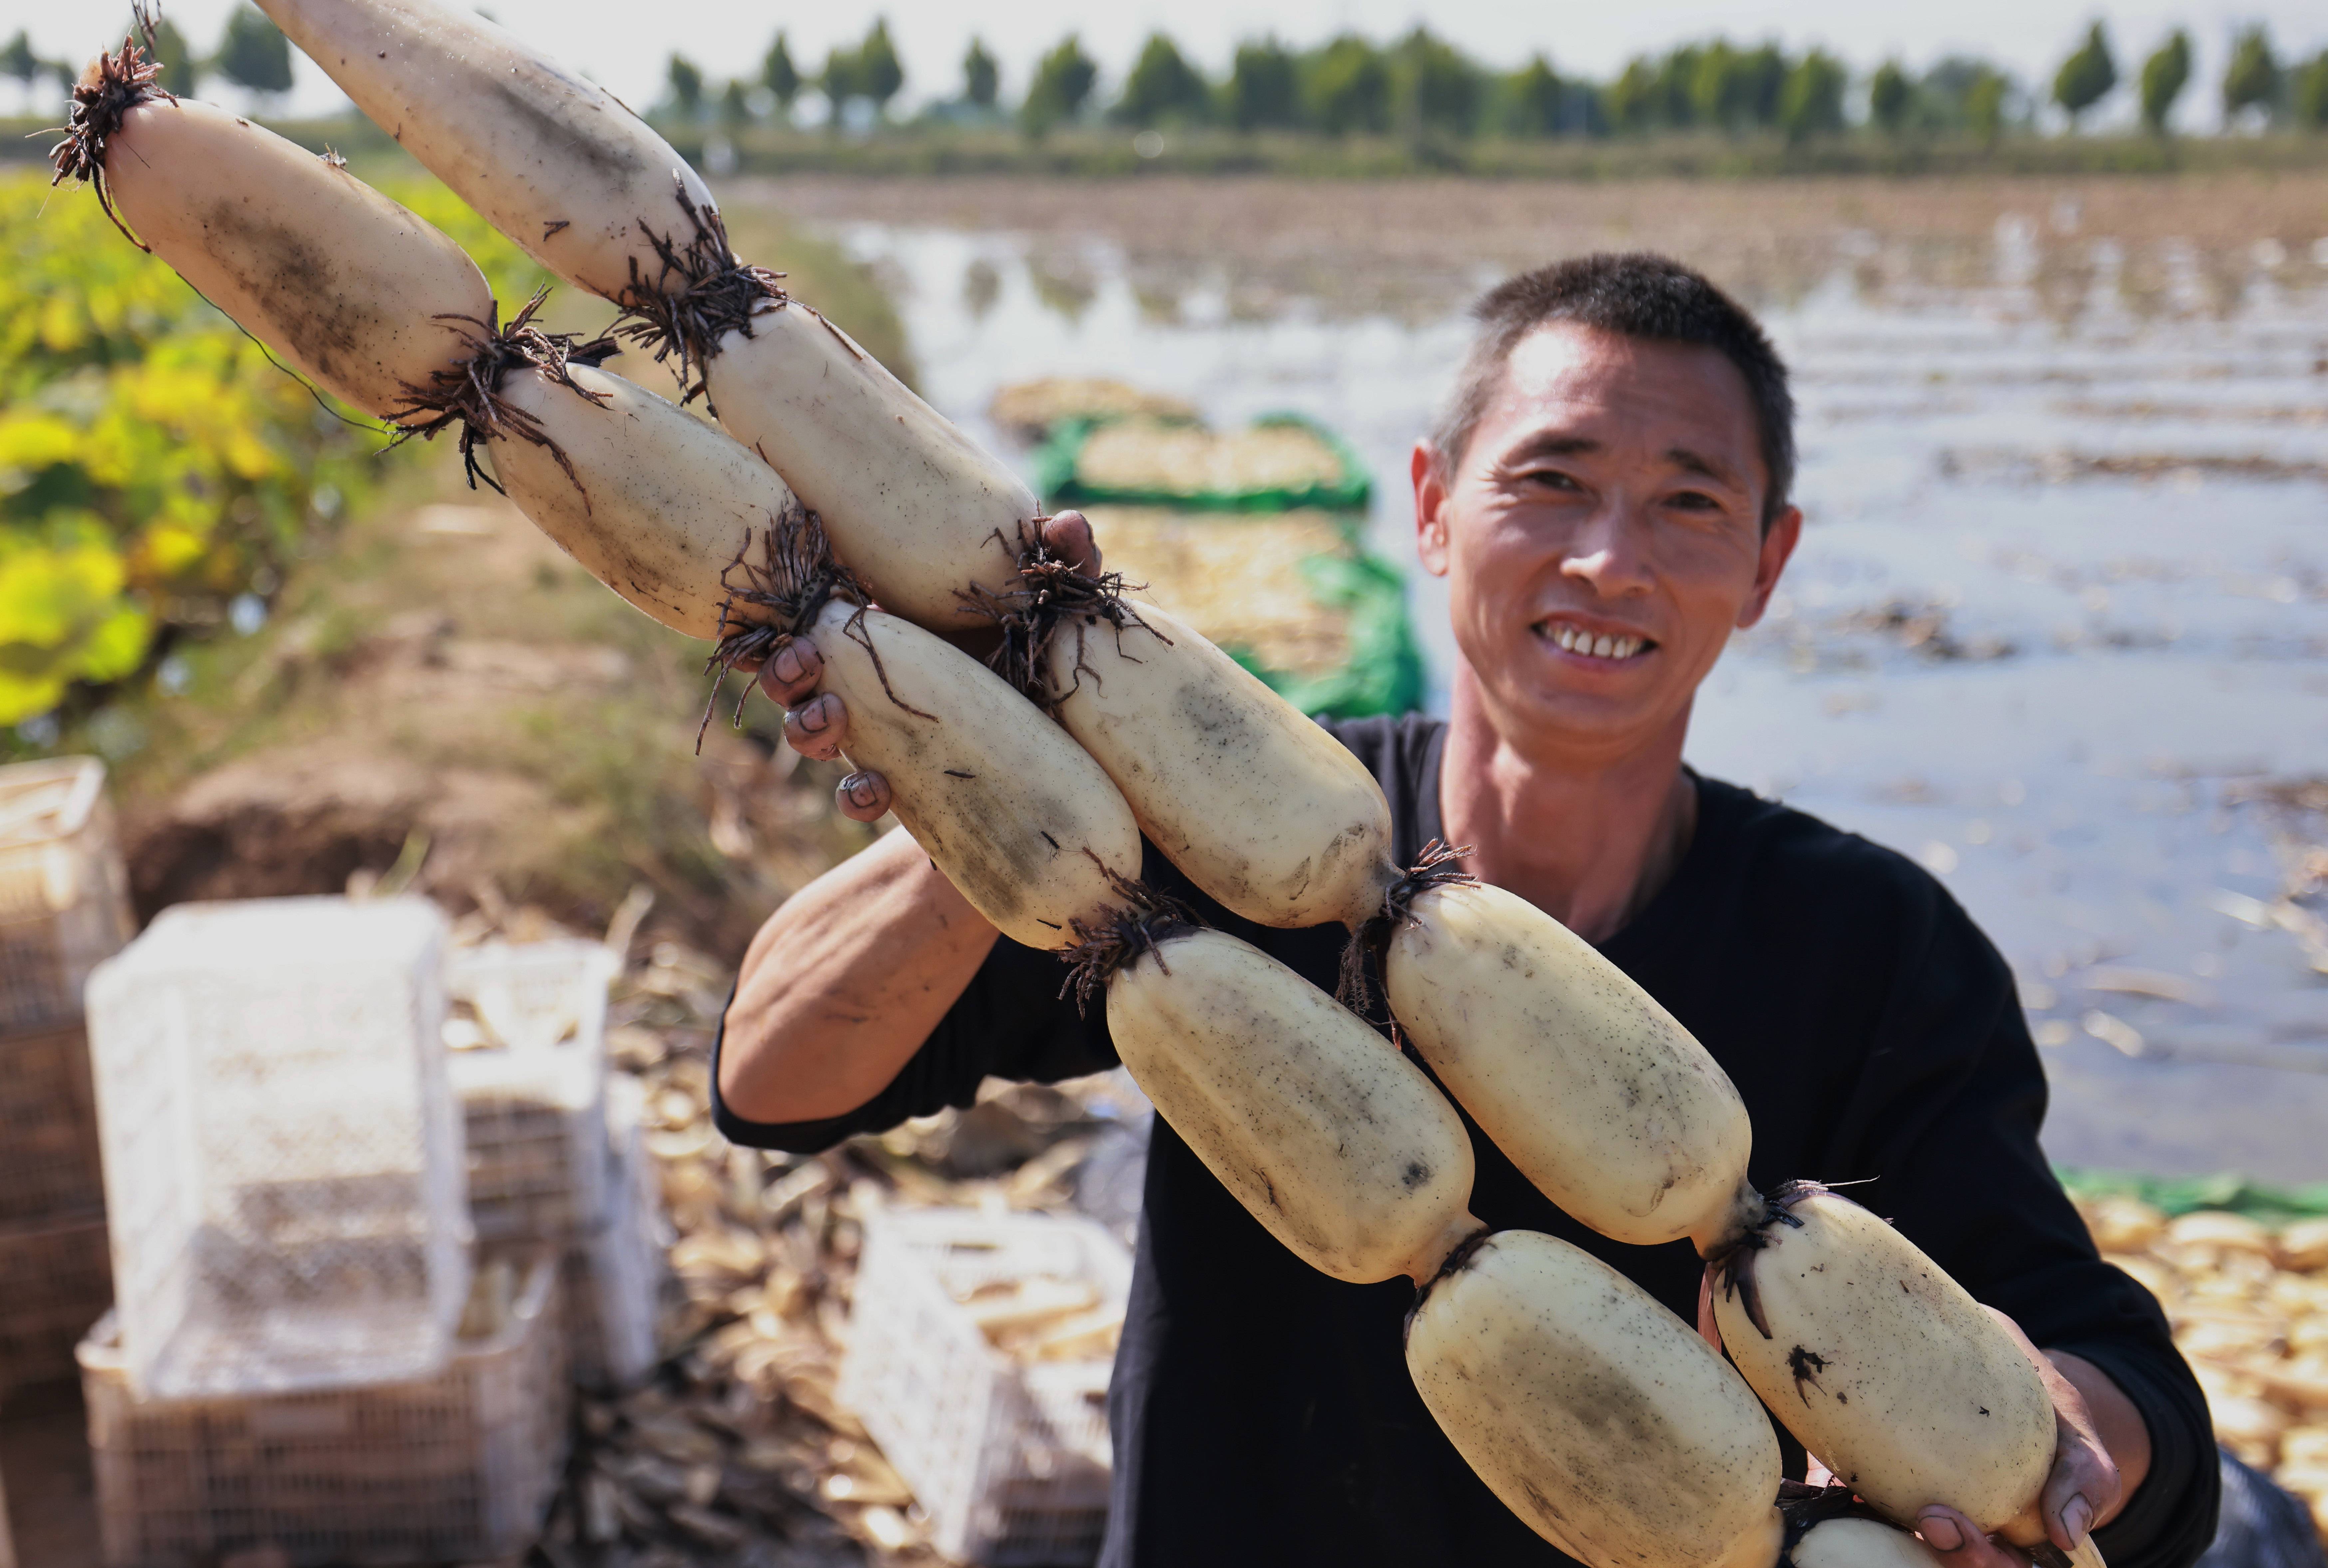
(1637, 294)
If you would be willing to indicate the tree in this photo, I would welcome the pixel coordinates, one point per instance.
(1890, 96)
(1260, 92)
(1162, 86)
(253, 54)
(1435, 87)
(981, 78)
(2251, 81)
(1534, 99)
(181, 71)
(1983, 104)
(735, 106)
(1348, 87)
(837, 82)
(779, 75)
(685, 80)
(2087, 77)
(19, 61)
(1062, 81)
(1632, 99)
(2307, 97)
(879, 74)
(1811, 103)
(1737, 89)
(2164, 75)
(1676, 85)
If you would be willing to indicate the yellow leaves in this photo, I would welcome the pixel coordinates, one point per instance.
(30, 441)
(62, 618)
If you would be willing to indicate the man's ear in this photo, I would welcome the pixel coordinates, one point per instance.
(1778, 541)
(1430, 509)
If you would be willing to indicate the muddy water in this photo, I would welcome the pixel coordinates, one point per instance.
(2058, 625)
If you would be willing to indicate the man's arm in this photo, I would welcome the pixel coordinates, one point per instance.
(843, 984)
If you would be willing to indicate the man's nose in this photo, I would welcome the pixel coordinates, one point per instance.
(1610, 552)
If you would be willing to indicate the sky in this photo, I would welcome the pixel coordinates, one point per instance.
(625, 44)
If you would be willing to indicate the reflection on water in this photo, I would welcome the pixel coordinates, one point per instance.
(2058, 626)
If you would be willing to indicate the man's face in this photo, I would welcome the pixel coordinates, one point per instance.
(1602, 535)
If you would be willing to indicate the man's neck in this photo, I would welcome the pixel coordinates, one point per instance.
(1589, 840)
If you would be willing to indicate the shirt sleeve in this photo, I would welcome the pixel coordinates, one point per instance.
(1010, 1022)
(1948, 1111)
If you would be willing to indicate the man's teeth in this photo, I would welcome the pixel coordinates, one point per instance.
(1592, 647)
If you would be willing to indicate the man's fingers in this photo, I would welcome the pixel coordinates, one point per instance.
(818, 728)
(862, 796)
(792, 675)
(1959, 1545)
(1069, 536)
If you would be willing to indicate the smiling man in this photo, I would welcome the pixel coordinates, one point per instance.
(1607, 495)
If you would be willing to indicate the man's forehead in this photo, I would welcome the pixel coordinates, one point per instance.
(1566, 372)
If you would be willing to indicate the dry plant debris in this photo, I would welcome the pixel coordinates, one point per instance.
(1151, 455)
(735, 1451)
(1234, 576)
(1028, 409)
(2248, 1305)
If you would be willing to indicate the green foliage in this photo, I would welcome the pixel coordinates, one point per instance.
(735, 106)
(2087, 77)
(181, 71)
(1532, 100)
(2164, 75)
(879, 74)
(981, 78)
(1811, 102)
(1262, 92)
(1434, 88)
(2307, 97)
(1890, 96)
(779, 75)
(1736, 89)
(253, 54)
(2252, 80)
(154, 465)
(684, 80)
(19, 61)
(837, 81)
(1346, 87)
(1063, 82)
(1163, 87)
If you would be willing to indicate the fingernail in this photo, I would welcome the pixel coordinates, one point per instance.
(815, 716)
(2079, 1517)
(1939, 1532)
(788, 664)
(860, 792)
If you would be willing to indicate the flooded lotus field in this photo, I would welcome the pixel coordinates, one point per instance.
(2058, 625)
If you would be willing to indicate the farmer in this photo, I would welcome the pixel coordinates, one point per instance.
(1607, 495)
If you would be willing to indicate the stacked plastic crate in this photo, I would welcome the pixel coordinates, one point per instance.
(554, 1151)
(64, 906)
(305, 1356)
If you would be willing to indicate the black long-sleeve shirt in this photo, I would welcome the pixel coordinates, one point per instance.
(1262, 1412)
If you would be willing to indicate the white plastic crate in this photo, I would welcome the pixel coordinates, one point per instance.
(64, 896)
(529, 1065)
(55, 1281)
(283, 1154)
(614, 1275)
(48, 1161)
(1010, 1461)
(455, 1467)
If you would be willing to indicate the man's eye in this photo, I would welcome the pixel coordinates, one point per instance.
(1550, 477)
(1695, 501)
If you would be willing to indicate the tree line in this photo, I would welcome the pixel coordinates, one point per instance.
(1422, 85)
(251, 54)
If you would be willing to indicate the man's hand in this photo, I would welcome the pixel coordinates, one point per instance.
(2087, 1486)
(817, 725)
(2097, 1463)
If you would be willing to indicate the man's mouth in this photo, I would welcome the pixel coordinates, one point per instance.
(1585, 644)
